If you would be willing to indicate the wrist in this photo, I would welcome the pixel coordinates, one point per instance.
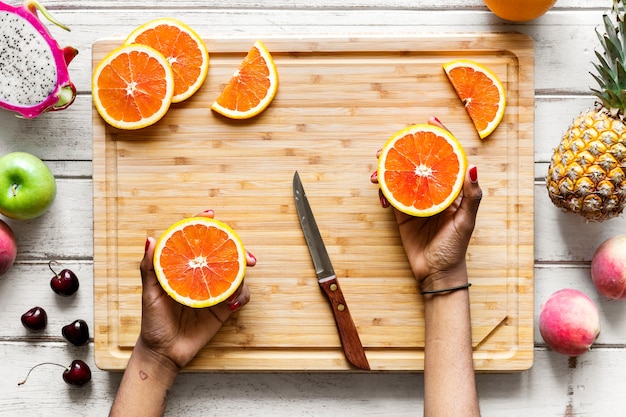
(441, 281)
(155, 364)
(146, 384)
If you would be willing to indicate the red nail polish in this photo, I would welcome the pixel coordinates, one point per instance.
(473, 173)
(147, 245)
(437, 120)
(252, 256)
(383, 200)
(232, 297)
(234, 306)
(374, 176)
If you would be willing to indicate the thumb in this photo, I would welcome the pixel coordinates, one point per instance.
(148, 277)
(472, 195)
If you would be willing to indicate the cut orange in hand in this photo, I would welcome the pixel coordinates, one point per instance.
(183, 48)
(481, 92)
(132, 87)
(251, 88)
(421, 170)
(199, 261)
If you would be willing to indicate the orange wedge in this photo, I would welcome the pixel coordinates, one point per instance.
(199, 261)
(481, 92)
(132, 87)
(421, 170)
(183, 48)
(251, 88)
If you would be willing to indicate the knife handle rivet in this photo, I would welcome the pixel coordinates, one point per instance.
(341, 307)
(333, 287)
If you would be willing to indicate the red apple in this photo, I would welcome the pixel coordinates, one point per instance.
(8, 247)
(608, 268)
(569, 322)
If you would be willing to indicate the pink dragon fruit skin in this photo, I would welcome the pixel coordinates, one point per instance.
(35, 81)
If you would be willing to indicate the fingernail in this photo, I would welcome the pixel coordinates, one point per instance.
(208, 211)
(383, 199)
(437, 120)
(374, 176)
(473, 173)
(232, 297)
(234, 306)
(147, 245)
(252, 257)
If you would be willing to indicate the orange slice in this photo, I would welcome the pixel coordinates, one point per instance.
(132, 87)
(421, 170)
(481, 92)
(251, 88)
(199, 261)
(183, 48)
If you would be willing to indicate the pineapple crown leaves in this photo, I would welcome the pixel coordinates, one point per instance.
(610, 67)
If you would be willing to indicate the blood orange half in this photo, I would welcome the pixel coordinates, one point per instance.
(199, 261)
(421, 170)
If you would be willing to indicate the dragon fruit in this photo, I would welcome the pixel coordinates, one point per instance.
(33, 68)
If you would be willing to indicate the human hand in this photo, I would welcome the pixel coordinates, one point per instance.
(173, 331)
(436, 246)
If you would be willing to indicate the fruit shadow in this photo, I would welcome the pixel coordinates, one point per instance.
(612, 327)
(573, 238)
(78, 395)
(567, 237)
(68, 303)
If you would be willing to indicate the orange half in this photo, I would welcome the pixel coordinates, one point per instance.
(199, 261)
(421, 170)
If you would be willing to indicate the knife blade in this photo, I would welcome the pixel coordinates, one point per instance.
(327, 280)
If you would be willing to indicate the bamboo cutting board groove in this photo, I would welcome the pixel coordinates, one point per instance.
(338, 101)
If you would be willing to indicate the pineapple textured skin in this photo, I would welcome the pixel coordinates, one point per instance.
(586, 172)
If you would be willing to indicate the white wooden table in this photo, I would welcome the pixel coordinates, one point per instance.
(591, 385)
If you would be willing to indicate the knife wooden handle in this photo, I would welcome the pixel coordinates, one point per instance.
(348, 334)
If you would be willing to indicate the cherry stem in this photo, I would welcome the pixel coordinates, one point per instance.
(39, 364)
(50, 266)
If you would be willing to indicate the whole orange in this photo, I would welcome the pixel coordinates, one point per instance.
(519, 10)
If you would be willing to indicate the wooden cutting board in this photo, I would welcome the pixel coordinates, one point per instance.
(338, 101)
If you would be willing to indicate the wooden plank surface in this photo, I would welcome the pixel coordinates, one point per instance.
(339, 100)
(555, 386)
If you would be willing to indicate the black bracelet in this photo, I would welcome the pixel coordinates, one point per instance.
(460, 287)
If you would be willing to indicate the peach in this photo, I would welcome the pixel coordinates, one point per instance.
(608, 268)
(8, 247)
(569, 322)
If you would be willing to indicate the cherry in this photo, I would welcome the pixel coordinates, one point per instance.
(64, 283)
(35, 319)
(78, 373)
(77, 332)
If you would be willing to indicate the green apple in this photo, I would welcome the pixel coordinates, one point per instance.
(27, 187)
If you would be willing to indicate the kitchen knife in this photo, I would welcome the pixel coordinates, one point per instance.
(350, 341)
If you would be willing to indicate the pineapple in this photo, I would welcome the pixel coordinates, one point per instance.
(587, 170)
